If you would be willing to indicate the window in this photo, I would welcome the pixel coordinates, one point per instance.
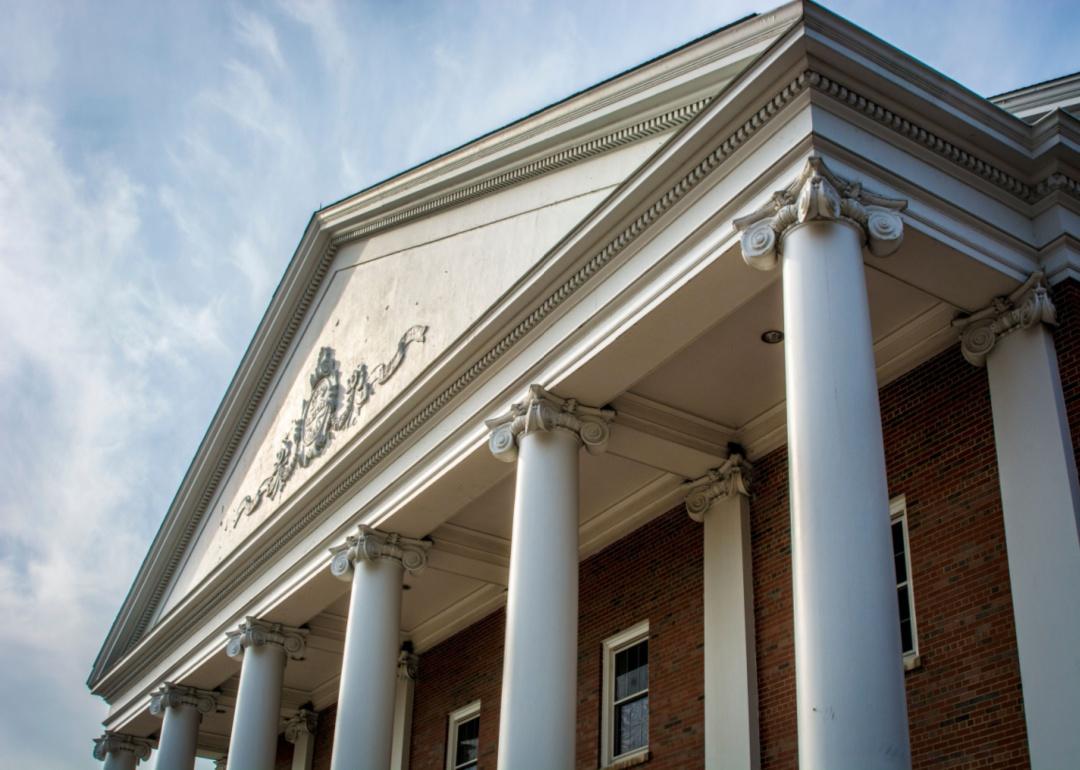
(905, 596)
(463, 743)
(625, 718)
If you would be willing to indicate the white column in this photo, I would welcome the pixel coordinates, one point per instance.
(850, 698)
(720, 500)
(537, 722)
(181, 710)
(121, 752)
(403, 708)
(300, 732)
(375, 563)
(264, 648)
(1040, 501)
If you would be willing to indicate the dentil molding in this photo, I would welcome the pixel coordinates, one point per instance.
(372, 545)
(731, 478)
(1025, 307)
(817, 194)
(302, 723)
(171, 695)
(543, 411)
(255, 633)
(114, 743)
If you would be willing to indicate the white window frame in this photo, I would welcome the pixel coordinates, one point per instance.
(898, 513)
(456, 719)
(612, 646)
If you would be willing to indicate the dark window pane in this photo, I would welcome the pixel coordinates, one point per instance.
(631, 670)
(905, 637)
(468, 742)
(905, 619)
(898, 552)
(632, 725)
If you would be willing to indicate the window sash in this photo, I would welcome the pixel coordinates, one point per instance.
(613, 706)
(898, 528)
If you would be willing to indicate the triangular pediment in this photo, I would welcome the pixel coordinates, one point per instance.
(384, 284)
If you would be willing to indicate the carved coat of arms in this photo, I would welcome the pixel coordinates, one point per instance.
(322, 416)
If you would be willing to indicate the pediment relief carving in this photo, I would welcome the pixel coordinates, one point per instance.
(327, 411)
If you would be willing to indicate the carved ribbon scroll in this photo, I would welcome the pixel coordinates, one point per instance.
(322, 415)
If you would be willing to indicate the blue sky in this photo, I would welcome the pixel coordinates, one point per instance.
(158, 163)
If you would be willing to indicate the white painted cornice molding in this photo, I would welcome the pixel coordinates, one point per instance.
(731, 478)
(254, 632)
(1028, 305)
(302, 723)
(175, 695)
(543, 411)
(371, 544)
(817, 194)
(113, 743)
(408, 665)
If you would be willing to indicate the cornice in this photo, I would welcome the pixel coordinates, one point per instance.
(913, 131)
(592, 148)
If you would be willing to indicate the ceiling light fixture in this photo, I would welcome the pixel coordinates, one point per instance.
(772, 336)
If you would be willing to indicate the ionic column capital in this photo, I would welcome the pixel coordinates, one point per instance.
(1025, 307)
(372, 545)
(302, 723)
(254, 632)
(731, 478)
(408, 665)
(222, 762)
(170, 694)
(112, 743)
(817, 194)
(543, 411)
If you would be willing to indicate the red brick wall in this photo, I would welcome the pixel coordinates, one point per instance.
(964, 702)
(1067, 342)
(654, 573)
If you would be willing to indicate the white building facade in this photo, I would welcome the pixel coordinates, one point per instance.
(698, 295)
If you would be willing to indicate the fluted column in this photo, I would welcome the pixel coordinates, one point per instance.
(1040, 500)
(408, 663)
(850, 700)
(300, 732)
(121, 752)
(542, 434)
(181, 710)
(375, 563)
(721, 501)
(264, 648)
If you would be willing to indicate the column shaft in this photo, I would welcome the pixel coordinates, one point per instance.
(403, 711)
(253, 745)
(1040, 500)
(365, 715)
(179, 737)
(731, 704)
(539, 688)
(851, 703)
(120, 760)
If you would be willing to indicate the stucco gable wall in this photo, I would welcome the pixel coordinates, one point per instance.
(415, 289)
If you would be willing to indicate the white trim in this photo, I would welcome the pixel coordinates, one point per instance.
(612, 645)
(898, 512)
(455, 720)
